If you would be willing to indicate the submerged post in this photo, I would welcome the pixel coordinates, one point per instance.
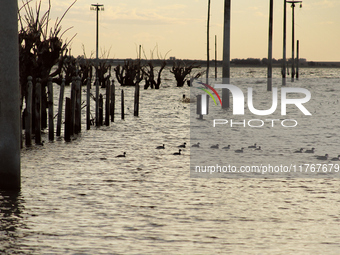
(60, 107)
(297, 59)
(88, 105)
(284, 43)
(122, 105)
(136, 101)
(28, 120)
(9, 98)
(50, 110)
(270, 48)
(113, 99)
(226, 55)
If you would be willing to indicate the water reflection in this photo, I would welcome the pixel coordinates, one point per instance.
(11, 224)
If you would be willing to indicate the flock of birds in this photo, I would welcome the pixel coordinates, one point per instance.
(258, 148)
(254, 147)
(160, 148)
(312, 150)
(216, 146)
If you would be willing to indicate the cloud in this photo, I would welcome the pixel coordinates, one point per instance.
(142, 17)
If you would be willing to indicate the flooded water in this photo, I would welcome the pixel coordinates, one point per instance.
(79, 198)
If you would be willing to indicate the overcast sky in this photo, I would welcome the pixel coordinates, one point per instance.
(179, 26)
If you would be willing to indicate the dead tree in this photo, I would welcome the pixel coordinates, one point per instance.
(181, 71)
(150, 76)
(130, 73)
(40, 48)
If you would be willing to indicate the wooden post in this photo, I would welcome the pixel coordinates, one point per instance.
(226, 55)
(284, 60)
(10, 128)
(215, 57)
(73, 105)
(297, 59)
(270, 48)
(68, 116)
(208, 57)
(28, 120)
(50, 110)
(136, 101)
(107, 103)
(122, 103)
(113, 101)
(60, 107)
(88, 104)
(79, 102)
(77, 109)
(97, 101)
(101, 110)
(293, 42)
(38, 112)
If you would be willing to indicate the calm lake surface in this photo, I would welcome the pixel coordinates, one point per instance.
(78, 198)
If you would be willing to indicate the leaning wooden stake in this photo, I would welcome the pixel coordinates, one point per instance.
(77, 113)
(136, 101)
(50, 110)
(60, 107)
(28, 121)
(97, 101)
(297, 59)
(38, 112)
(68, 115)
(122, 101)
(113, 101)
(88, 104)
(107, 103)
(101, 110)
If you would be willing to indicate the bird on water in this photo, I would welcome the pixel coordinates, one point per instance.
(310, 151)
(299, 151)
(182, 145)
(161, 147)
(227, 147)
(252, 146)
(322, 157)
(336, 159)
(122, 155)
(196, 145)
(178, 153)
(214, 146)
(239, 151)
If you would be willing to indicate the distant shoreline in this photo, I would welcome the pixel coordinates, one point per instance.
(233, 63)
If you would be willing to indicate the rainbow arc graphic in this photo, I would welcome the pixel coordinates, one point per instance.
(209, 93)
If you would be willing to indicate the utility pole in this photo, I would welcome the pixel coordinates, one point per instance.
(208, 56)
(270, 48)
(293, 35)
(284, 60)
(10, 127)
(226, 55)
(97, 8)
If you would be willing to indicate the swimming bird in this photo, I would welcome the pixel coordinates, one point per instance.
(196, 145)
(160, 147)
(182, 145)
(239, 151)
(178, 153)
(214, 146)
(185, 99)
(310, 151)
(227, 147)
(322, 157)
(258, 148)
(122, 155)
(299, 151)
(336, 159)
(252, 146)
